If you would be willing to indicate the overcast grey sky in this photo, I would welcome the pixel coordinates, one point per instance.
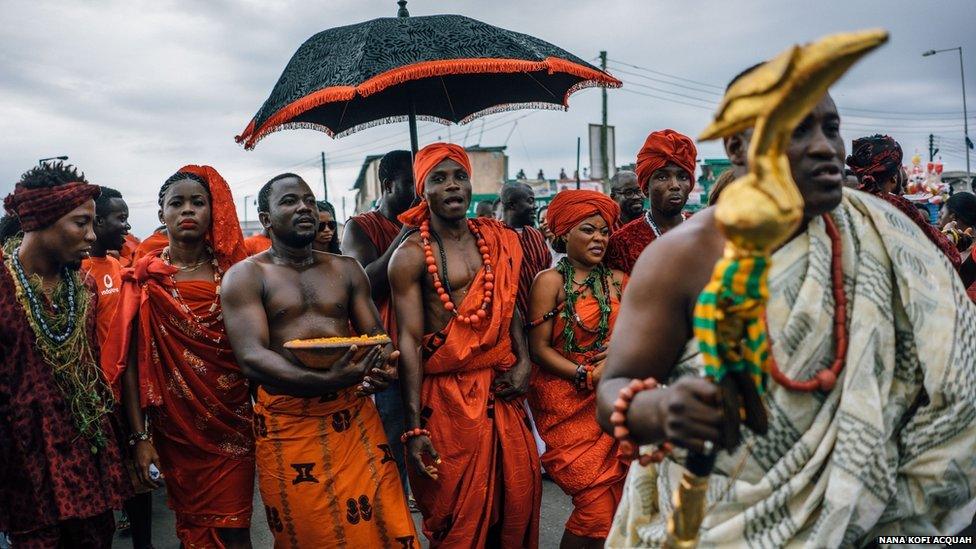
(133, 90)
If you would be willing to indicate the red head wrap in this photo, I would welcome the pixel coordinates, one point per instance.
(425, 161)
(875, 160)
(569, 208)
(660, 148)
(40, 208)
(225, 230)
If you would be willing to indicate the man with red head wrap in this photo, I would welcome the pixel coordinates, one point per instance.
(169, 327)
(61, 470)
(574, 307)
(464, 365)
(666, 174)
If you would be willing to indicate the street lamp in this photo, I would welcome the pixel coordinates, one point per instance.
(43, 160)
(965, 113)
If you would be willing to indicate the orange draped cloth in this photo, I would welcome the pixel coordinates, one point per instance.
(256, 244)
(128, 251)
(155, 241)
(582, 459)
(381, 232)
(199, 403)
(328, 476)
(106, 273)
(489, 477)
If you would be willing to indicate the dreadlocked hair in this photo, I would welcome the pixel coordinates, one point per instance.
(180, 176)
(9, 228)
(51, 174)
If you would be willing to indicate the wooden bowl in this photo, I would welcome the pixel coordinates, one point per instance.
(320, 353)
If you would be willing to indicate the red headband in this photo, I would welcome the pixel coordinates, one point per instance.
(425, 161)
(569, 208)
(42, 207)
(660, 148)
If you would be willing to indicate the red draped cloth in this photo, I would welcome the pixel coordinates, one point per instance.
(381, 232)
(155, 241)
(48, 475)
(627, 243)
(536, 258)
(128, 251)
(582, 459)
(199, 402)
(489, 477)
(256, 244)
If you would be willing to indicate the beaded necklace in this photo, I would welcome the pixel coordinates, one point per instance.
(37, 310)
(649, 219)
(62, 341)
(444, 293)
(600, 272)
(825, 379)
(179, 298)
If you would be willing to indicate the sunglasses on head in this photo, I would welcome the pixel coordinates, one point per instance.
(330, 224)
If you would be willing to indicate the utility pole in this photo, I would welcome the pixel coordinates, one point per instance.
(965, 112)
(604, 160)
(932, 148)
(578, 140)
(325, 184)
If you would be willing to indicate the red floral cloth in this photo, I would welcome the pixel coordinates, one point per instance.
(627, 243)
(47, 474)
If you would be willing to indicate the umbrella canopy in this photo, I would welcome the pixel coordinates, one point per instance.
(442, 68)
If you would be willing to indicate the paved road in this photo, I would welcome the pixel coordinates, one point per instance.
(556, 507)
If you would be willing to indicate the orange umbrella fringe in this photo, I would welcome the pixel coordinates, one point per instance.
(416, 71)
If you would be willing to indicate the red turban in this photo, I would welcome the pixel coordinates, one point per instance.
(660, 148)
(569, 208)
(225, 230)
(40, 208)
(425, 161)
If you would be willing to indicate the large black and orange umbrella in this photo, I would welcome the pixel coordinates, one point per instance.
(441, 68)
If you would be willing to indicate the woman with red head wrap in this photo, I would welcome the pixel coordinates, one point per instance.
(574, 306)
(169, 327)
(463, 365)
(666, 173)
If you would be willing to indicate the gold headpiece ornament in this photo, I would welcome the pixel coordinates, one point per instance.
(756, 213)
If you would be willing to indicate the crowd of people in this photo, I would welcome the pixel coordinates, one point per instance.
(126, 364)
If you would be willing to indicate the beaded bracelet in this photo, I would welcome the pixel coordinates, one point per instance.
(584, 377)
(415, 432)
(138, 437)
(619, 421)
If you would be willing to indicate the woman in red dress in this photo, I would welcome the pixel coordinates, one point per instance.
(574, 306)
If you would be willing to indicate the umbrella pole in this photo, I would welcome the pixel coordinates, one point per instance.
(412, 120)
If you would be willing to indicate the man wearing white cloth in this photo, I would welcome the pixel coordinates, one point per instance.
(886, 450)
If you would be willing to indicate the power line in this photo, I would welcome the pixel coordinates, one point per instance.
(658, 80)
(709, 102)
(904, 113)
(702, 107)
(652, 71)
